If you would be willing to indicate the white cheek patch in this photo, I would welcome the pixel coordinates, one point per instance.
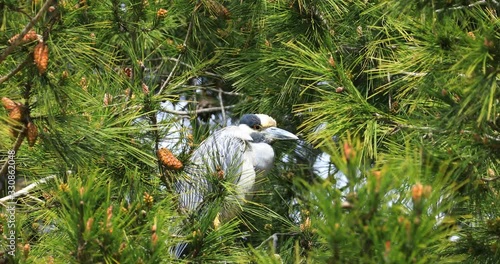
(241, 131)
(266, 121)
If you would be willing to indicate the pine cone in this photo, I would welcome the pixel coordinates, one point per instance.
(161, 13)
(224, 12)
(145, 89)
(16, 110)
(128, 72)
(32, 133)
(17, 113)
(26, 250)
(168, 159)
(41, 57)
(29, 37)
(331, 61)
(108, 98)
(148, 199)
(220, 173)
(9, 104)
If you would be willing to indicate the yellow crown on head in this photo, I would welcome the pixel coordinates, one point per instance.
(266, 121)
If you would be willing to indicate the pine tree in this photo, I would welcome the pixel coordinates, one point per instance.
(395, 104)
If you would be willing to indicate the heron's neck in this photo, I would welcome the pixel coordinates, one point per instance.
(263, 156)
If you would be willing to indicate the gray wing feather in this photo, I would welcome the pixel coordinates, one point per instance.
(224, 150)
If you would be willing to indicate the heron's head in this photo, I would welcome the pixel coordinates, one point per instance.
(264, 128)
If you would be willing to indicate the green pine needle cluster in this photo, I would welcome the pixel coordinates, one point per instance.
(395, 103)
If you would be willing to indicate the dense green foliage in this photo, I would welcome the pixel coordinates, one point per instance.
(395, 102)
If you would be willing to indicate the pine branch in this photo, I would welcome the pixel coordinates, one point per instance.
(222, 108)
(434, 129)
(188, 33)
(437, 130)
(199, 111)
(35, 198)
(25, 191)
(26, 29)
(274, 238)
(481, 2)
(490, 179)
(15, 70)
(216, 90)
(20, 136)
(415, 74)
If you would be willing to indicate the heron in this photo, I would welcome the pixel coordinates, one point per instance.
(236, 155)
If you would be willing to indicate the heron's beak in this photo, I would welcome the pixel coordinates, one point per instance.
(275, 133)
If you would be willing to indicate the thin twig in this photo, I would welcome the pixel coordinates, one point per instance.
(199, 111)
(433, 129)
(427, 128)
(274, 237)
(26, 29)
(184, 44)
(415, 74)
(35, 198)
(177, 61)
(14, 71)
(170, 74)
(437, 130)
(213, 89)
(491, 179)
(480, 2)
(25, 190)
(492, 137)
(223, 111)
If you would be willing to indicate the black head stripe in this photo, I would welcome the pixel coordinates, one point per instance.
(250, 120)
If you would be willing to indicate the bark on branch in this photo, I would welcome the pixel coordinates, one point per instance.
(26, 29)
(16, 70)
(199, 111)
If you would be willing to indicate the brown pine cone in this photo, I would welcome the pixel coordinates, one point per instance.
(32, 133)
(41, 57)
(8, 104)
(168, 159)
(220, 173)
(145, 89)
(108, 98)
(148, 199)
(30, 36)
(161, 13)
(16, 110)
(17, 113)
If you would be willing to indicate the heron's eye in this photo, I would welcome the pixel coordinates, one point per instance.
(257, 127)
